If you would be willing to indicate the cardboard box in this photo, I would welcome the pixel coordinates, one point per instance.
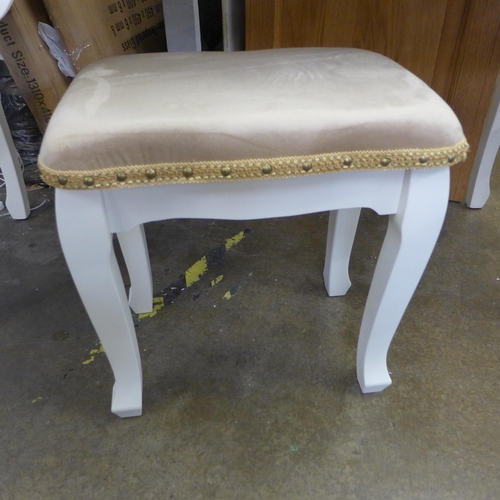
(29, 61)
(94, 29)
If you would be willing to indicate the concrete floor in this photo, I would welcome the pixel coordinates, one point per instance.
(254, 395)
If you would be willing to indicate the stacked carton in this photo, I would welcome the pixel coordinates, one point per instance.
(90, 30)
(93, 29)
(34, 70)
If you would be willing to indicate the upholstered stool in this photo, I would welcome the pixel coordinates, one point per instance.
(245, 136)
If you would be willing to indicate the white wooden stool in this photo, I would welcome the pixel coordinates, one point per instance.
(247, 135)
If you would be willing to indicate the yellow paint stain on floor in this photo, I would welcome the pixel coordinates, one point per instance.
(37, 399)
(198, 269)
(158, 303)
(230, 242)
(217, 280)
(194, 273)
(93, 352)
(227, 295)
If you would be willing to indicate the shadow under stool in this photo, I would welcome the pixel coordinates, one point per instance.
(247, 135)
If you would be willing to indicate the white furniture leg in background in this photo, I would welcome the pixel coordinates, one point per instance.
(411, 236)
(478, 190)
(135, 252)
(342, 225)
(182, 25)
(87, 244)
(183, 31)
(233, 24)
(17, 199)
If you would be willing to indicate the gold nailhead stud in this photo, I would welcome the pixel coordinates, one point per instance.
(88, 181)
(187, 172)
(451, 159)
(385, 162)
(150, 174)
(62, 180)
(347, 162)
(226, 171)
(423, 159)
(121, 177)
(307, 166)
(267, 169)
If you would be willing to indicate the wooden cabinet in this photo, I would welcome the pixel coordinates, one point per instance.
(453, 45)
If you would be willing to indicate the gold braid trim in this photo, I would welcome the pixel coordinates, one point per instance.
(292, 166)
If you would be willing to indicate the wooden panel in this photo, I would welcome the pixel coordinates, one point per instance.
(449, 48)
(301, 23)
(397, 29)
(453, 45)
(339, 23)
(315, 23)
(259, 24)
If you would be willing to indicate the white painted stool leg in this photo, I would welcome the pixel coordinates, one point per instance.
(135, 252)
(409, 242)
(478, 190)
(87, 246)
(342, 227)
(17, 199)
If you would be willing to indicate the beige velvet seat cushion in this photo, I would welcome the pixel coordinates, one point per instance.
(198, 117)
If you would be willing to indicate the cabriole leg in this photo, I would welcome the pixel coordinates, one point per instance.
(135, 252)
(87, 245)
(409, 242)
(17, 199)
(342, 227)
